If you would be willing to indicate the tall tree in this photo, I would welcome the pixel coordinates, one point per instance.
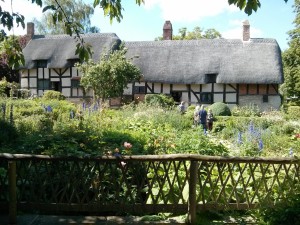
(110, 75)
(78, 11)
(291, 59)
(11, 56)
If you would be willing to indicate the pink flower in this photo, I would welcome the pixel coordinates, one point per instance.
(127, 145)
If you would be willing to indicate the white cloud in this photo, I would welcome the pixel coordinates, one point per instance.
(189, 10)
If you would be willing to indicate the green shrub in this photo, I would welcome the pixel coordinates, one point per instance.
(285, 211)
(246, 111)
(220, 109)
(159, 99)
(8, 133)
(49, 95)
(293, 112)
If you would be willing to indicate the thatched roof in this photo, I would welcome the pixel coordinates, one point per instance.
(189, 61)
(183, 62)
(58, 50)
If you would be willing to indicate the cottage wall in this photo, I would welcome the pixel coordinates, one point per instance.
(67, 80)
(42, 79)
(274, 102)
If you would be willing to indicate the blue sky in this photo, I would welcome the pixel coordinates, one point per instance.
(144, 23)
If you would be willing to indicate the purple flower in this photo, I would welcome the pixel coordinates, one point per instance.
(72, 115)
(260, 145)
(239, 138)
(49, 109)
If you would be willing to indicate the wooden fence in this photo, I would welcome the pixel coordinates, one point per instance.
(142, 184)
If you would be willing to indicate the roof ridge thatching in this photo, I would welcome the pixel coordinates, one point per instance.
(66, 36)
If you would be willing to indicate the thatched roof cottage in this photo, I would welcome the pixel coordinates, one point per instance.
(233, 71)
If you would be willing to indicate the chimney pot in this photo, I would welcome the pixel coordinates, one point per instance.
(30, 31)
(167, 30)
(246, 30)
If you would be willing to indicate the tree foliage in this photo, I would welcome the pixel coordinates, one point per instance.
(291, 59)
(11, 56)
(196, 34)
(78, 12)
(110, 75)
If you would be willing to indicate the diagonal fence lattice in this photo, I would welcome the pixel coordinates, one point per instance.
(144, 184)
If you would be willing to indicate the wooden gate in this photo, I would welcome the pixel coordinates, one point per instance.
(142, 184)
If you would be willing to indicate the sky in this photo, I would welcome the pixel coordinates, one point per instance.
(144, 23)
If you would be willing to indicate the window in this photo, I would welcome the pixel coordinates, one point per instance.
(75, 83)
(211, 78)
(41, 63)
(43, 84)
(176, 95)
(206, 98)
(55, 86)
(72, 62)
(265, 98)
(139, 90)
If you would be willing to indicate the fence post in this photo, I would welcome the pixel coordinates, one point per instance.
(12, 192)
(192, 204)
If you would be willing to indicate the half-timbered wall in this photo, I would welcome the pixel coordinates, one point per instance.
(67, 81)
(64, 80)
(197, 93)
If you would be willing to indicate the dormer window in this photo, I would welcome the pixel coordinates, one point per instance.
(41, 63)
(211, 78)
(72, 62)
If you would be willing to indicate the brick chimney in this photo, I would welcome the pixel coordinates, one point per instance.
(246, 30)
(167, 31)
(30, 31)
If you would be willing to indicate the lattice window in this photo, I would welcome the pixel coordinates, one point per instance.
(43, 84)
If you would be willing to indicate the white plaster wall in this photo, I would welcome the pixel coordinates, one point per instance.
(33, 83)
(194, 99)
(43, 73)
(231, 97)
(195, 87)
(40, 92)
(229, 88)
(274, 102)
(166, 88)
(179, 87)
(66, 81)
(128, 90)
(46, 73)
(66, 92)
(206, 87)
(74, 72)
(54, 79)
(218, 97)
(24, 83)
(157, 87)
(67, 73)
(80, 91)
(53, 72)
(33, 91)
(185, 97)
(32, 72)
(218, 87)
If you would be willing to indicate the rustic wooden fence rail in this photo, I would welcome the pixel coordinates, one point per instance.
(142, 184)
